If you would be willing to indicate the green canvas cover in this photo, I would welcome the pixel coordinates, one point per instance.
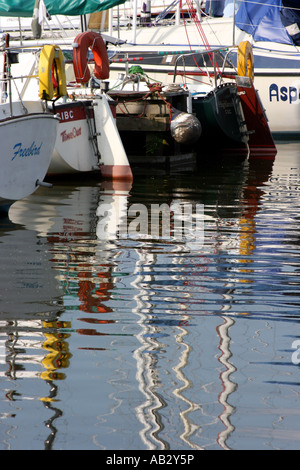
(24, 8)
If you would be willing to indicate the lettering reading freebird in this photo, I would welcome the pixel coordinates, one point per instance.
(22, 152)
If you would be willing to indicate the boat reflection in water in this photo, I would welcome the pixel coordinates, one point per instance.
(145, 295)
(51, 232)
(168, 300)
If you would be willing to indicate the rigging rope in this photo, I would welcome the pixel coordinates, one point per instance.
(197, 22)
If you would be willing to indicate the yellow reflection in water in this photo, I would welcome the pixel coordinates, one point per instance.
(58, 355)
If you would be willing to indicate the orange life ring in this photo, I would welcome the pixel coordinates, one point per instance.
(83, 42)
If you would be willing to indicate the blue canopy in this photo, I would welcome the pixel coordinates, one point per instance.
(261, 19)
(215, 7)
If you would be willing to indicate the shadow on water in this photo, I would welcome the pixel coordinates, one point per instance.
(174, 338)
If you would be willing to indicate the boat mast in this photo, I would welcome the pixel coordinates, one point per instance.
(20, 30)
(7, 73)
(110, 22)
(134, 21)
(233, 32)
(177, 17)
(83, 23)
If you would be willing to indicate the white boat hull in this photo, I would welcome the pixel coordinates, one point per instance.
(88, 141)
(27, 143)
(74, 151)
(87, 136)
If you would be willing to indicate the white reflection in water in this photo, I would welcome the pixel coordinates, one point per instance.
(178, 346)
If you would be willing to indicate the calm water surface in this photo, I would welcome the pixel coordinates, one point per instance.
(115, 342)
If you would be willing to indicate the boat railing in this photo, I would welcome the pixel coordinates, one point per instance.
(7, 79)
(212, 71)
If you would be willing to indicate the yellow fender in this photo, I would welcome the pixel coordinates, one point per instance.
(52, 64)
(245, 60)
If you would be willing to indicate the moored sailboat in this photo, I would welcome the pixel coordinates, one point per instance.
(276, 53)
(27, 135)
(210, 82)
(87, 137)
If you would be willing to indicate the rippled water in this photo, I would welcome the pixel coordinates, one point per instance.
(110, 341)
